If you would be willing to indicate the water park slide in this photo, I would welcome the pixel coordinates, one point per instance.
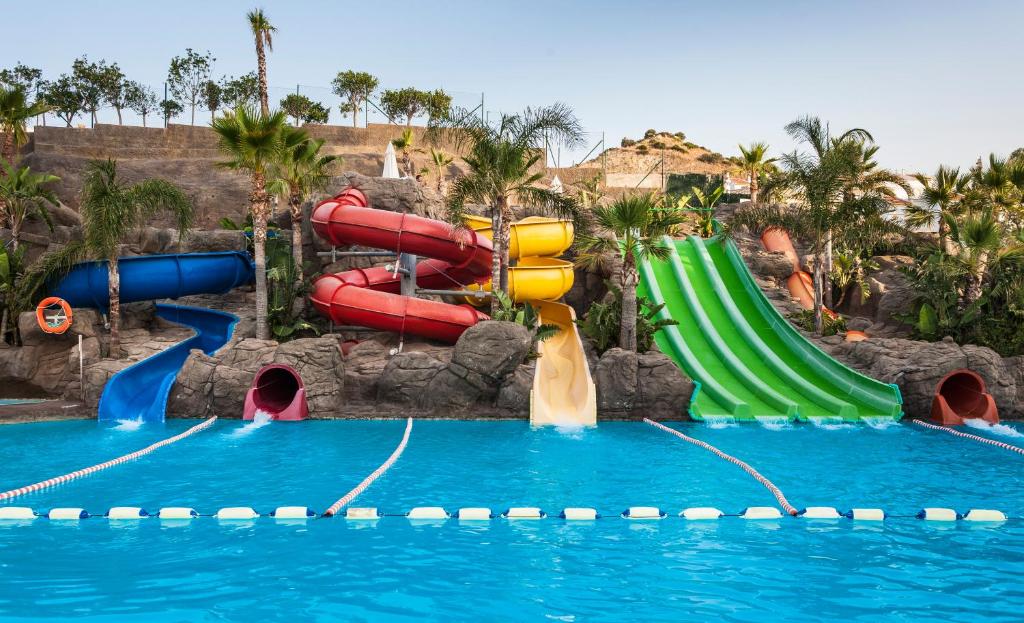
(563, 391)
(141, 390)
(749, 361)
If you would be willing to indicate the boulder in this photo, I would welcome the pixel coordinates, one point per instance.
(397, 195)
(663, 391)
(771, 265)
(616, 381)
(514, 394)
(492, 349)
(406, 376)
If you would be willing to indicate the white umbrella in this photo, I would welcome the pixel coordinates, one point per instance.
(556, 186)
(390, 163)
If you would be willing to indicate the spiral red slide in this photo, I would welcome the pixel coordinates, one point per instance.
(369, 297)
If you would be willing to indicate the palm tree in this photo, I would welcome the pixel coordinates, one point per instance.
(706, 212)
(440, 161)
(263, 32)
(503, 167)
(638, 223)
(942, 192)
(754, 164)
(301, 171)
(111, 210)
(981, 241)
(15, 113)
(253, 144)
(23, 194)
(405, 143)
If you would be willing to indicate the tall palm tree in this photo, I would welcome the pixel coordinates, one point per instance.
(111, 210)
(503, 167)
(253, 144)
(262, 31)
(23, 194)
(754, 164)
(301, 171)
(637, 224)
(942, 194)
(440, 160)
(15, 113)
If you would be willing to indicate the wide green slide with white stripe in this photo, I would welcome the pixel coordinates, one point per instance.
(748, 361)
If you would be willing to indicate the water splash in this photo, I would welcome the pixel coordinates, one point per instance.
(571, 431)
(720, 421)
(995, 429)
(774, 422)
(129, 425)
(830, 423)
(880, 423)
(259, 420)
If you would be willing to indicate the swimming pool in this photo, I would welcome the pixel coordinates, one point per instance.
(393, 570)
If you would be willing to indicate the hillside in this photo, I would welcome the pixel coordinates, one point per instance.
(636, 157)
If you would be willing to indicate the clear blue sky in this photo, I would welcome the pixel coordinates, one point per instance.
(934, 81)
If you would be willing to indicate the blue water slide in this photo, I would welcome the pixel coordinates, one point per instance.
(141, 390)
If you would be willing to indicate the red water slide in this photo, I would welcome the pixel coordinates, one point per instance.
(369, 297)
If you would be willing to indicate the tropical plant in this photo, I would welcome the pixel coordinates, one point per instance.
(603, 321)
(355, 87)
(300, 171)
(187, 77)
(213, 97)
(754, 165)
(11, 269)
(502, 160)
(285, 286)
(525, 314)
(406, 143)
(142, 100)
(112, 209)
(64, 98)
(24, 194)
(441, 162)
(704, 211)
(253, 144)
(588, 191)
(941, 195)
(263, 32)
(637, 224)
(832, 324)
(15, 112)
(850, 270)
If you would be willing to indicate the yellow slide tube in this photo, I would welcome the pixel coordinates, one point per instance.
(563, 393)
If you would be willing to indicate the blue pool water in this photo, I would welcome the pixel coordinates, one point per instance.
(391, 570)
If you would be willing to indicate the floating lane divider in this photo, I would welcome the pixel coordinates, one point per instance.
(789, 508)
(991, 442)
(59, 480)
(377, 473)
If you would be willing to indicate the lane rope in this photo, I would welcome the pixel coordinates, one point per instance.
(789, 508)
(59, 480)
(377, 473)
(993, 442)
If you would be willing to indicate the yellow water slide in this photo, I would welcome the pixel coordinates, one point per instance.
(563, 392)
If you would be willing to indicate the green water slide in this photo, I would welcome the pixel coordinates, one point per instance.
(748, 360)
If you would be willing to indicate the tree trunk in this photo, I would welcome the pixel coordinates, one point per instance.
(974, 289)
(3, 325)
(355, 112)
(143, 119)
(942, 231)
(8, 148)
(295, 207)
(630, 278)
(505, 230)
(827, 269)
(193, 114)
(495, 256)
(754, 187)
(119, 122)
(819, 320)
(258, 205)
(261, 66)
(114, 317)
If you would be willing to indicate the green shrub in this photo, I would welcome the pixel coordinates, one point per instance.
(679, 148)
(602, 321)
(628, 142)
(658, 144)
(643, 149)
(649, 133)
(831, 324)
(680, 136)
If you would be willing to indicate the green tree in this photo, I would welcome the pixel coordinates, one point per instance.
(15, 112)
(30, 79)
(141, 100)
(187, 77)
(503, 167)
(64, 98)
(941, 196)
(355, 87)
(241, 91)
(114, 87)
(89, 79)
(111, 210)
(303, 109)
(253, 144)
(635, 225)
(441, 162)
(407, 103)
(438, 104)
(754, 165)
(171, 109)
(213, 95)
(707, 200)
(301, 171)
(24, 194)
(263, 32)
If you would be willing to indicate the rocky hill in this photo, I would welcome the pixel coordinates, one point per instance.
(681, 156)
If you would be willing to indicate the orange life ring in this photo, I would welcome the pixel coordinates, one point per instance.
(56, 323)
